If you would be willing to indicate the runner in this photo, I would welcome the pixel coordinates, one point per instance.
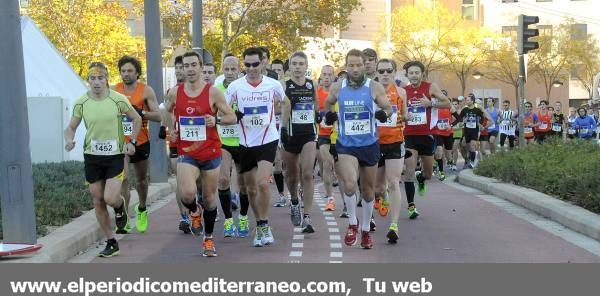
(370, 62)
(143, 100)
(584, 124)
(325, 158)
(256, 96)
(391, 141)
(545, 126)
(277, 67)
(507, 122)
(104, 148)
(265, 59)
(196, 104)
(457, 134)
(421, 97)
(473, 117)
(443, 133)
(231, 151)
(493, 128)
(530, 121)
(558, 120)
(298, 137)
(209, 73)
(571, 131)
(356, 145)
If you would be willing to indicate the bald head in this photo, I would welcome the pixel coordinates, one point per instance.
(231, 69)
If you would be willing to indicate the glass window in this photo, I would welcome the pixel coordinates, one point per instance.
(579, 31)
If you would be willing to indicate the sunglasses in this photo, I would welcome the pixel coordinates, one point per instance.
(252, 65)
(389, 71)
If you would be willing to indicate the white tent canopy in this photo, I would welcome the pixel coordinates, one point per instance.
(48, 74)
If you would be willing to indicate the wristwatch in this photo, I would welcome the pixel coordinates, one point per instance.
(133, 142)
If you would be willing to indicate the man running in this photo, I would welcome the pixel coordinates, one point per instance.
(298, 136)
(231, 153)
(392, 149)
(370, 62)
(473, 118)
(104, 148)
(256, 96)
(530, 121)
(507, 122)
(493, 126)
(277, 67)
(196, 105)
(209, 73)
(357, 146)
(325, 158)
(558, 120)
(545, 127)
(143, 100)
(421, 97)
(444, 141)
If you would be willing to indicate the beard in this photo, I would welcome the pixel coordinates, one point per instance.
(356, 82)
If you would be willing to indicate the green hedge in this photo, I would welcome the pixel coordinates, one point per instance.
(60, 194)
(569, 171)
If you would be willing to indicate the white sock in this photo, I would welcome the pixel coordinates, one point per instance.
(351, 207)
(367, 209)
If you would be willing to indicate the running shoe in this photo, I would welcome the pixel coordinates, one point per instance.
(258, 236)
(372, 225)
(442, 176)
(196, 218)
(392, 234)
(229, 228)
(184, 224)
(366, 242)
(125, 230)
(281, 201)
(422, 187)
(295, 214)
(350, 238)
(377, 202)
(111, 250)
(344, 213)
(413, 213)
(330, 206)
(243, 229)
(267, 236)
(208, 247)
(141, 220)
(306, 226)
(121, 218)
(384, 207)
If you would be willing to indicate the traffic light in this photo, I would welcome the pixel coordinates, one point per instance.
(524, 34)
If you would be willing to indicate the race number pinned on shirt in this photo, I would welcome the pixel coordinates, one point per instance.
(583, 131)
(571, 131)
(543, 125)
(127, 125)
(256, 117)
(302, 113)
(443, 124)
(229, 131)
(471, 122)
(105, 147)
(357, 123)
(192, 128)
(418, 115)
(556, 127)
(492, 126)
(392, 121)
(528, 130)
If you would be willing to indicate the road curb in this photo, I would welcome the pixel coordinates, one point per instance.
(84, 231)
(571, 216)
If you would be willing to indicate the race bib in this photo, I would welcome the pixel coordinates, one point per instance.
(392, 121)
(418, 115)
(302, 113)
(493, 126)
(357, 123)
(471, 124)
(556, 127)
(229, 131)
(192, 128)
(443, 124)
(543, 125)
(583, 131)
(107, 147)
(127, 125)
(571, 131)
(256, 117)
(527, 130)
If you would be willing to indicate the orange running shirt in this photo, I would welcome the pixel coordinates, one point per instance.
(322, 94)
(391, 131)
(136, 98)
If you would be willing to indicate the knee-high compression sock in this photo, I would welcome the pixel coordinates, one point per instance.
(351, 207)
(409, 187)
(193, 207)
(367, 210)
(245, 204)
(440, 163)
(225, 199)
(209, 221)
(472, 156)
(278, 181)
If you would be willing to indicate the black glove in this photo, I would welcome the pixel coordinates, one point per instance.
(381, 116)
(318, 117)
(239, 115)
(140, 111)
(162, 133)
(330, 118)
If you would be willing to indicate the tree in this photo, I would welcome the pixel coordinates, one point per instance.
(86, 31)
(587, 63)
(463, 52)
(418, 32)
(502, 62)
(551, 60)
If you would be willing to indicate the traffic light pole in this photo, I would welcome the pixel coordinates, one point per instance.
(521, 99)
(16, 174)
(523, 46)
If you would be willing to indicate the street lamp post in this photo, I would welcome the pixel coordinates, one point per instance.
(478, 75)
